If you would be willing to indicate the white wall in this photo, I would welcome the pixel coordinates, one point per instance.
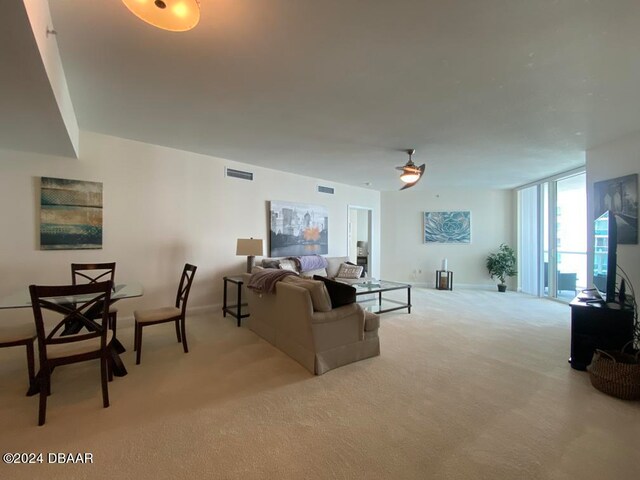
(492, 223)
(615, 159)
(162, 208)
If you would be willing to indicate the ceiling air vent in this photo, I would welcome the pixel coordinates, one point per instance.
(230, 172)
(328, 190)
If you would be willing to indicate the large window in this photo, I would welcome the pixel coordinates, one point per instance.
(552, 236)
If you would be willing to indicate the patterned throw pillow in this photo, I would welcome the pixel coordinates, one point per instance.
(288, 264)
(349, 271)
(362, 274)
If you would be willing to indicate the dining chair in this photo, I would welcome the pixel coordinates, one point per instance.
(174, 314)
(18, 335)
(74, 303)
(97, 272)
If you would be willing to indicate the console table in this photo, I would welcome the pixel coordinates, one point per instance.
(597, 325)
(237, 309)
(444, 279)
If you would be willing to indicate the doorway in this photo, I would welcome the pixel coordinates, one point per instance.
(359, 237)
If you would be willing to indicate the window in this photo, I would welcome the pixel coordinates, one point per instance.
(552, 236)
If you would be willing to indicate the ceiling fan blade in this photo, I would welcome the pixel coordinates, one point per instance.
(409, 185)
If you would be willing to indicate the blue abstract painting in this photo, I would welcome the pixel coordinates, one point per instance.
(447, 227)
(70, 214)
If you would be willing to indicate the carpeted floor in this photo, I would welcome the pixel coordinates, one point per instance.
(471, 385)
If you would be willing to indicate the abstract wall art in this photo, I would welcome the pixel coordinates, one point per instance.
(447, 227)
(70, 214)
(298, 229)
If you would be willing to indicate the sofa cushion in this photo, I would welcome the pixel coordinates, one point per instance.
(339, 293)
(319, 296)
(349, 271)
(312, 273)
(371, 321)
(333, 265)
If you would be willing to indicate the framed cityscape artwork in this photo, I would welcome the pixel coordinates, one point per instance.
(298, 229)
(620, 195)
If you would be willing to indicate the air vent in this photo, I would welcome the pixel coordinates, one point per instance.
(230, 172)
(328, 190)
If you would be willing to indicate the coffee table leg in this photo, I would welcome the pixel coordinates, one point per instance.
(409, 298)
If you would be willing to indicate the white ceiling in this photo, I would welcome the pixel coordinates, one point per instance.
(490, 93)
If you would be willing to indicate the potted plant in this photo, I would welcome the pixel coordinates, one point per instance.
(502, 264)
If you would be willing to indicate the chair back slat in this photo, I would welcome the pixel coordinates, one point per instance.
(74, 303)
(72, 312)
(184, 288)
(92, 272)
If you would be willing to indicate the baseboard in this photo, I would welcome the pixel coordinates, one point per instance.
(466, 286)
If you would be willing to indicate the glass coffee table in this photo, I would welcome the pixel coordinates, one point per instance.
(380, 304)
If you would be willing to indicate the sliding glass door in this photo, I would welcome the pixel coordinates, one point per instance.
(552, 236)
(571, 236)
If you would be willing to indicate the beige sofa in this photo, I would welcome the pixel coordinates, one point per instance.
(297, 320)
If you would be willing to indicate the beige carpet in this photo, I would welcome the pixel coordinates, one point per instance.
(471, 385)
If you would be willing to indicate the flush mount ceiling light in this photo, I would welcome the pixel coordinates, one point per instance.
(173, 15)
(411, 173)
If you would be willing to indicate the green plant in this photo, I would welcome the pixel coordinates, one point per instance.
(502, 264)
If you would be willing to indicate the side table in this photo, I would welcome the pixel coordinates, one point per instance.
(444, 280)
(236, 310)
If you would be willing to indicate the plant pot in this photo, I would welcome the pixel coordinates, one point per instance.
(502, 287)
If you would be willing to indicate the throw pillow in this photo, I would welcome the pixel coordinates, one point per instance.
(339, 293)
(362, 274)
(270, 263)
(288, 264)
(333, 265)
(349, 271)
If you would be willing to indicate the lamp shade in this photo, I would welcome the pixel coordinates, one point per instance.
(249, 246)
(173, 15)
(409, 176)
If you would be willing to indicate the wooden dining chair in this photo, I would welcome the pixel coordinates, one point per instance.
(18, 335)
(174, 314)
(51, 312)
(96, 272)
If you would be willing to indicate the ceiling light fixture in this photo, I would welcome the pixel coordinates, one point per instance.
(411, 173)
(173, 15)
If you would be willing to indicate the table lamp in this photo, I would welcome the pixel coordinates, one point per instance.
(249, 247)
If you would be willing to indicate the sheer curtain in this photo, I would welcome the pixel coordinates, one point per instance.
(528, 240)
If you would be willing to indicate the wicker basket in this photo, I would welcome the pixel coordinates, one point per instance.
(616, 373)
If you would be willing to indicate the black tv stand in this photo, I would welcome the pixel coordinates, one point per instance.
(596, 324)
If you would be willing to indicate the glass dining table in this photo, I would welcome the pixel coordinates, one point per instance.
(22, 299)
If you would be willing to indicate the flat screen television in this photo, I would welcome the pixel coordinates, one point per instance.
(604, 255)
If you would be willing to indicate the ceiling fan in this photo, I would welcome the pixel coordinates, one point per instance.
(411, 173)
